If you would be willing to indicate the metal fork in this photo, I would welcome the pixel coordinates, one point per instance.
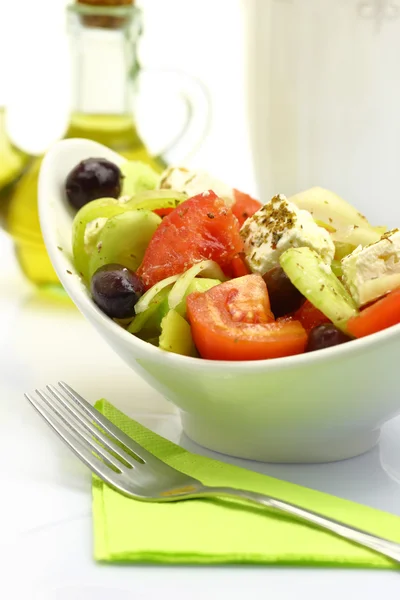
(130, 469)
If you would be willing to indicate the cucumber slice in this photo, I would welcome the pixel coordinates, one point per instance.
(137, 177)
(356, 236)
(329, 208)
(151, 317)
(381, 229)
(176, 335)
(153, 199)
(123, 240)
(140, 321)
(342, 250)
(316, 281)
(345, 224)
(336, 266)
(86, 229)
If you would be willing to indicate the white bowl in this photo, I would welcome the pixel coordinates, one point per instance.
(318, 407)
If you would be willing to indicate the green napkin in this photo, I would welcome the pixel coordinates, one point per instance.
(221, 532)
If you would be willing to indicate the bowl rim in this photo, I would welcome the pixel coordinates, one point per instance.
(79, 294)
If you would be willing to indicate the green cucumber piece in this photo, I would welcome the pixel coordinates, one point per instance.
(381, 229)
(342, 249)
(123, 240)
(137, 177)
(336, 266)
(316, 281)
(151, 317)
(328, 207)
(176, 335)
(356, 236)
(143, 319)
(86, 229)
(154, 199)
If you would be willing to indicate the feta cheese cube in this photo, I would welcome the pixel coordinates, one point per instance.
(278, 226)
(195, 182)
(373, 271)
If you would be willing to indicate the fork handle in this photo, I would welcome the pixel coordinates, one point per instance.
(363, 538)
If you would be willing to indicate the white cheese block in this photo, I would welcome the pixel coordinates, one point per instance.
(373, 271)
(278, 226)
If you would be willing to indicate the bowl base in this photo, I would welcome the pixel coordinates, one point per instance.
(279, 448)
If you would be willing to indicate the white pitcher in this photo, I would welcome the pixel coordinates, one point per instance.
(324, 99)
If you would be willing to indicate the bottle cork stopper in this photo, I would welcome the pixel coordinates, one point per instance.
(106, 2)
(105, 20)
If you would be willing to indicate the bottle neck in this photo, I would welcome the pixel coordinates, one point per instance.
(103, 58)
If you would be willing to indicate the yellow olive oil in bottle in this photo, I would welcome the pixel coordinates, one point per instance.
(103, 36)
(12, 163)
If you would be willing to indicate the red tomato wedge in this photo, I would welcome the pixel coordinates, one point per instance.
(163, 212)
(200, 228)
(382, 314)
(238, 267)
(309, 316)
(247, 301)
(245, 206)
(233, 321)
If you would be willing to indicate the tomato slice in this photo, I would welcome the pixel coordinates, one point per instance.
(309, 316)
(247, 300)
(163, 212)
(233, 321)
(238, 267)
(382, 314)
(200, 228)
(245, 206)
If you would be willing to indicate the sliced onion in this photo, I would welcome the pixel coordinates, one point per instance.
(207, 268)
(144, 302)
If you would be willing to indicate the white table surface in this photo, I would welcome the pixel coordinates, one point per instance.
(46, 537)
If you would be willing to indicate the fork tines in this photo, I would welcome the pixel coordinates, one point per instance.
(91, 436)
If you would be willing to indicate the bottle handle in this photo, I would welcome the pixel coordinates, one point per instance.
(197, 120)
